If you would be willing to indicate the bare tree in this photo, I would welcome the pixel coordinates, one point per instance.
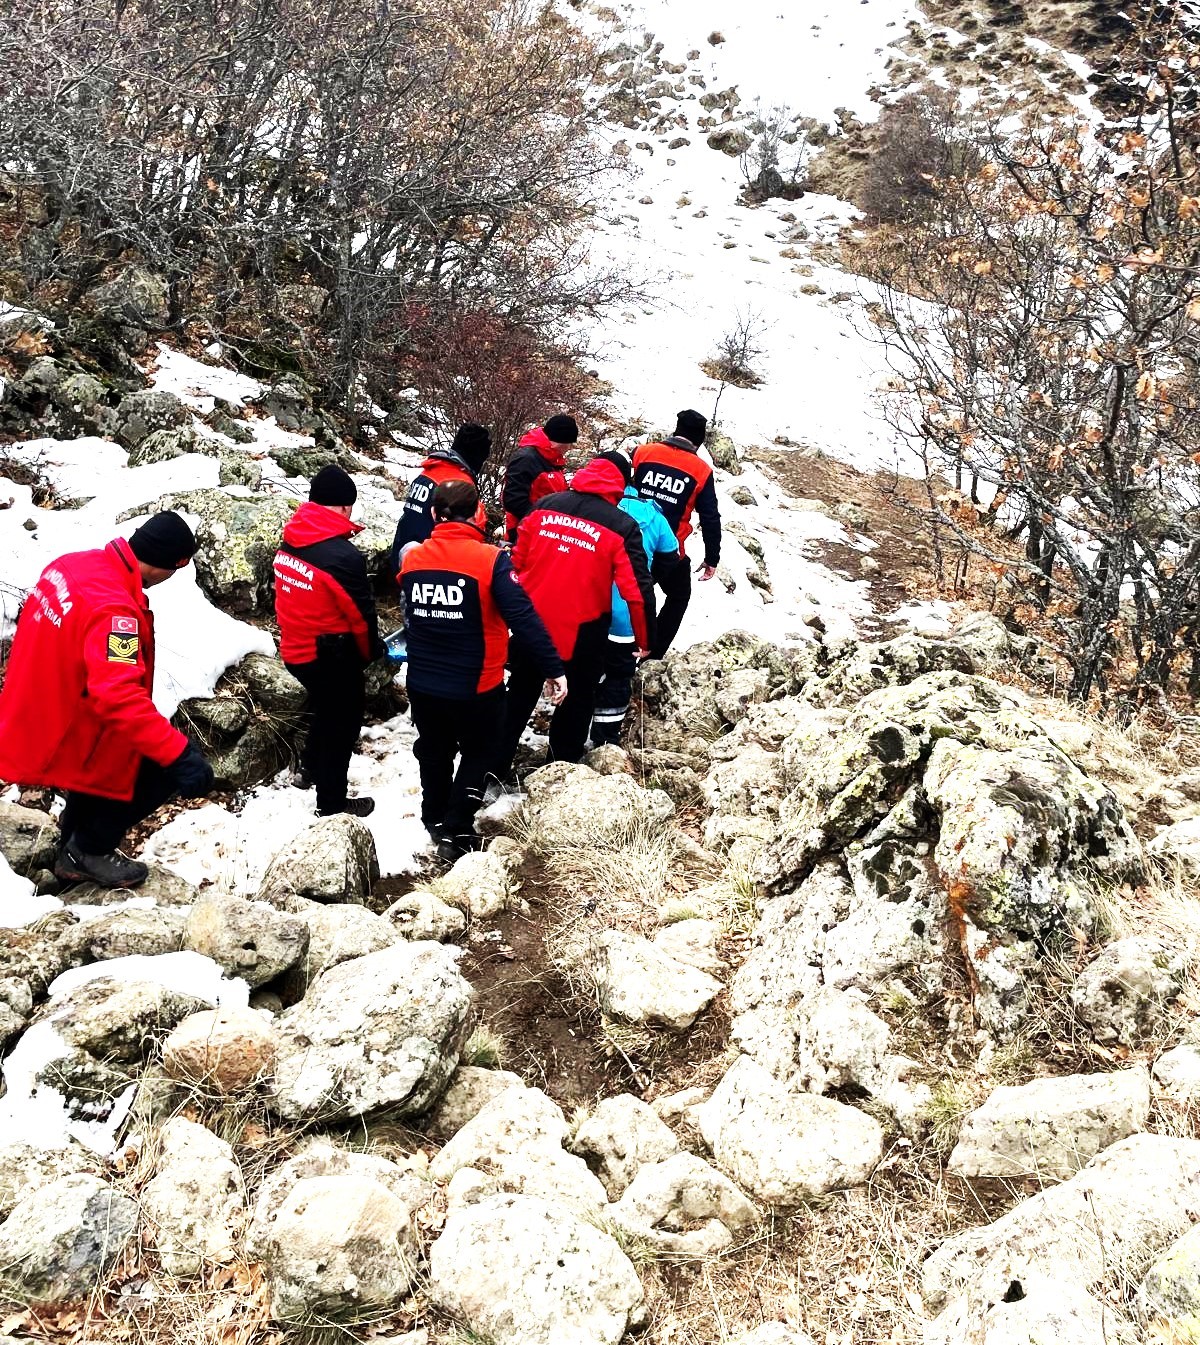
(736, 352)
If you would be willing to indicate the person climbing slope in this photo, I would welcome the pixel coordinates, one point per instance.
(680, 481)
(571, 551)
(461, 599)
(462, 461)
(537, 469)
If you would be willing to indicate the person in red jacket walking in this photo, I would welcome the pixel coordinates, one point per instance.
(570, 552)
(328, 632)
(76, 712)
(461, 598)
(462, 461)
(537, 469)
(679, 480)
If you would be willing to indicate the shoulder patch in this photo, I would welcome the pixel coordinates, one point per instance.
(123, 648)
(124, 625)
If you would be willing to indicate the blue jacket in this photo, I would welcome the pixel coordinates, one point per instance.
(657, 540)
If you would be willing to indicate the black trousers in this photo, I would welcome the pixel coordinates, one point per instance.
(614, 693)
(572, 719)
(673, 574)
(96, 826)
(467, 729)
(337, 695)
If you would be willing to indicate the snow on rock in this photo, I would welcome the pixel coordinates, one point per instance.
(19, 904)
(196, 384)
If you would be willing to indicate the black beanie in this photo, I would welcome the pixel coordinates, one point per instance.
(332, 486)
(619, 461)
(562, 430)
(692, 426)
(473, 443)
(164, 541)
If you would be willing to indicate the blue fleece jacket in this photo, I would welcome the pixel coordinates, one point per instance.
(657, 539)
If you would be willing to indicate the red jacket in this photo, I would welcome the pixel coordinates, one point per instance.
(573, 548)
(416, 518)
(321, 585)
(536, 470)
(76, 709)
(678, 480)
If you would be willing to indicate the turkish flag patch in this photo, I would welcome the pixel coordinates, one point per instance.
(124, 625)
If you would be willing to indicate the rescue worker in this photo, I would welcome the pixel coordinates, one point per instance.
(537, 469)
(679, 480)
(461, 599)
(328, 632)
(76, 712)
(571, 550)
(620, 663)
(462, 461)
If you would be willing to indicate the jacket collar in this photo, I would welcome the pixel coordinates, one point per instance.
(436, 455)
(313, 523)
(678, 441)
(455, 531)
(126, 566)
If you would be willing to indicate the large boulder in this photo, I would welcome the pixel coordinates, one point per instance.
(684, 1207)
(26, 1167)
(639, 983)
(521, 1271)
(471, 1089)
(227, 1050)
(164, 445)
(249, 939)
(379, 1031)
(336, 933)
(1052, 1127)
(619, 1136)
(61, 1240)
(1170, 1291)
(332, 860)
(121, 1020)
(196, 1201)
(28, 840)
(135, 932)
(786, 1147)
(270, 684)
(577, 805)
(141, 414)
(477, 884)
(1036, 1310)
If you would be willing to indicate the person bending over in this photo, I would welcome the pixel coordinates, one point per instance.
(461, 599)
(76, 712)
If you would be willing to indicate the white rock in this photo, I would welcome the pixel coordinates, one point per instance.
(1105, 1225)
(248, 939)
(772, 1333)
(1178, 1071)
(379, 1031)
(1051, 1128)
(332, 860)
(478, 884)
(421, 915)
(621, 1134)
(606, 809)
(1125, 995)
(786, 1147)
(24, 1168)
(684, 1207)
(471, 1089)
(517, 1138)
(1179, 841)
(338, 932)
(340, 1246)
(692, 942)
(196, 1201)
(1034, 1311)
(639, 983)
(520, 1271)
(1171, 1289)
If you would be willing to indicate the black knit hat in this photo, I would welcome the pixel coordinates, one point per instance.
(164, 541)
(691, 425)
(332, 486)
(562, 430)
(473, 443)
(619, 461)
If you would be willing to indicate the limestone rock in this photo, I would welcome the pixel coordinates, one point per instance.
(471, 1089)
(521, 1271)
(1107, 1224)
(140, 414)
(421, 915)
(1171, 1289)
(1125, 995)
(28, 840)
(270, 684)
(606, 809)
(164, 445)
(639, 983)
(255, 755)
(340, 1247)
(162, 887)
(250, 939)
(609, 759)
(226, 1049)
(1178, 1072)
(782, 1146)
(24, 1168)
(60, 1240)
(333, 860)
(1052, 1127)
(1035, 1310)
(518, 1139)
(196, 1201)
(478, 884)
(684, 1207)
(620, 1135)
(378, 1031)
(692, 942)
(336, 933)
(321, 1158)
(120, 1020)
(136, 933)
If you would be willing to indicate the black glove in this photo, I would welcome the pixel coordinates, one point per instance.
(192, 775)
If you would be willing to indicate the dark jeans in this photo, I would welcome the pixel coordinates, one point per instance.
(614, 693)
(337, 696)
(673, 574)
(96, 826)
(467, 729)
(572, 719)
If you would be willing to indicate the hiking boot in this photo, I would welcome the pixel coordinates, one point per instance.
(452, 848)
(300, 779)
(111, 870)
(363, 806)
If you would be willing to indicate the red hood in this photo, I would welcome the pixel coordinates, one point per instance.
(539, 439)
(601, 478)
(314, 523)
